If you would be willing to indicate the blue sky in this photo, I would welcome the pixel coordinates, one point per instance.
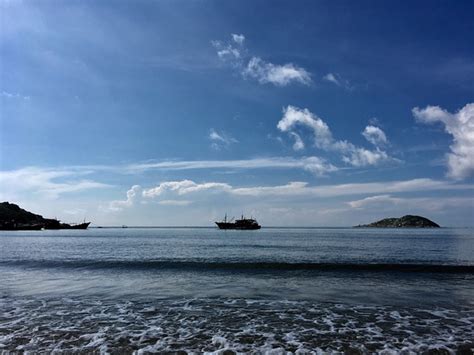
(322, 113)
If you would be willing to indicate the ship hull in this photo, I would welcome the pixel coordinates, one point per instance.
(80, 226)
(226, 225)
(68, 226)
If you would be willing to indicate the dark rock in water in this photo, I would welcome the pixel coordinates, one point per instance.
(407, 221)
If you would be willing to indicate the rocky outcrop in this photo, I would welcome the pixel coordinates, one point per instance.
(407, 221)
(13, 217)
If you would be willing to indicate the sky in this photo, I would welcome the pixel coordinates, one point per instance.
(173, 113)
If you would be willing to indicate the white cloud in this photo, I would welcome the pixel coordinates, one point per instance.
(175, 202)
(167, 193)
(299, 144)
(133, 195)
(317, 166)
(379, 202)
(461, 126)
(331, 78)
(49, 183)
(293, 188)
(302, 188)
(172, 192)
(337, 80)
(293, 116)
(323, 138)
(233, 53)
(238, 38)
(362, 157)
(216, 136)
(279, 75)
(372, 200)
(312, 164)
(183, 187)
(220, 139)
(375, 135)
(10, 95)
(226, 52)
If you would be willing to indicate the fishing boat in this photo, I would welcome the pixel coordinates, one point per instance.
(79, 225)
(239, 224)
(55, 224)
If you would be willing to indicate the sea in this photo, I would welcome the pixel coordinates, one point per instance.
(204, 290)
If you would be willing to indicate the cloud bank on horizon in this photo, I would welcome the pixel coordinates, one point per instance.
(160, 117)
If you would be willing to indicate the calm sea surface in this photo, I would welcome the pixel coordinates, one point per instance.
(205, 290)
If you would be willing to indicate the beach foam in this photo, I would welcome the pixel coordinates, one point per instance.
(214, 325)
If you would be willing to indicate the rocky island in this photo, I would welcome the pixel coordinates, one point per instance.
(13, 217)
(407, 221)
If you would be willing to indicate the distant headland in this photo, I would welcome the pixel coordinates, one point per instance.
(407, 221)
(13, 217)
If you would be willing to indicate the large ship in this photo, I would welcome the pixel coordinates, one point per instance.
(241, 224)
(55, 224)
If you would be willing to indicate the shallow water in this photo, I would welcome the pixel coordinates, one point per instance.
(205, 290)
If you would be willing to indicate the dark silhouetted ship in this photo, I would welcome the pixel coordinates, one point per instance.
(55, 224)
(241, 224)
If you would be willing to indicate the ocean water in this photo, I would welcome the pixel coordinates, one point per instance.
(202, 290)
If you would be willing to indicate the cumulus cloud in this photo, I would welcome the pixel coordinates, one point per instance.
(167, 193)
(227, 52)
(460, 126)
(317, 166)
(183, 187)
(299, 144)
(323, 138)
(133, 195)
(358, 157)
(375, 135)
(220, 139)
(173, 192)
(293, 116)
(264, 72)
(238, 38)
(279, 75)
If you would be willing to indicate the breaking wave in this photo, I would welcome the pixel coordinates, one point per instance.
(196, 265)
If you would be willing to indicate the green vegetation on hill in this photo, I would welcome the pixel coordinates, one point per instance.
(407, 221)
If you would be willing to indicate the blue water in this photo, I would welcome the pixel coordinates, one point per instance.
(206, 290)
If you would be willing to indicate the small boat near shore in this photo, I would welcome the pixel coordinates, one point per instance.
(239, 224)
